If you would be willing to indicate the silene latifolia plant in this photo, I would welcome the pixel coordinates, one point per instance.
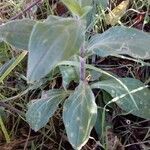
(61, 42)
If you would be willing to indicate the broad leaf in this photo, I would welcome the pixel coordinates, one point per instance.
(93, 75)
(17, 33)
(85, 3)
(79, 115)
(40, 110)
(121, 40)
(103, 3)
(78, 7)
(68, 74)
(74, 7)
(53, 19)
(140, 95)
(51, 43)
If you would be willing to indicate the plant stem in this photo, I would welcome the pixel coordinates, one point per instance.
(82, 64)
(26, 9)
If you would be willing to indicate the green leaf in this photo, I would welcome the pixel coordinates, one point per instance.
(68, 74)
(93, 75)
(79, 115)
(85, 3)
(40, 110)
(51, 43)
(74, 7)
(52, 19)
(121, 40)
(103, 3)
(78, 7)
(122, 98)
(17, 33)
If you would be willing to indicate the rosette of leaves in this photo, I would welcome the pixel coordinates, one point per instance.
(57, 39)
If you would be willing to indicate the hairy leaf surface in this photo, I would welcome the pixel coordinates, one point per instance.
(78, 7)
(68, 74)
(103, 3)
(74, 7)
(121, 40)
(40, 110)
(17, 32)
(51, 43)
(79, 115)
(140, 95)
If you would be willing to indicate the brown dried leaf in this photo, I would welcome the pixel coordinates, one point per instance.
(114, 16)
